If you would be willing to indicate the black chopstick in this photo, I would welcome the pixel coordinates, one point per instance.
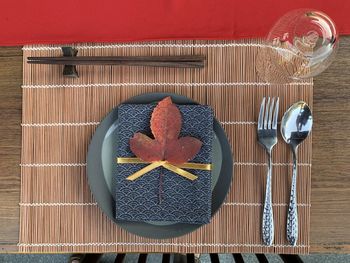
(153, 61)
(125, 58)
(183, 64)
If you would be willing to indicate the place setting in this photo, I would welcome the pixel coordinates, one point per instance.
(182, 146)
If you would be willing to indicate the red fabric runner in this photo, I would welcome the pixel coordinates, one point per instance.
(68, 21)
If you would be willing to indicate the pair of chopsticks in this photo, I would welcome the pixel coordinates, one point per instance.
(150, 61)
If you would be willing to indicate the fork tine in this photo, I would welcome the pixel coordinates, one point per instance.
(261, 114)
(266, 113)
(275, 114)
(269, 122)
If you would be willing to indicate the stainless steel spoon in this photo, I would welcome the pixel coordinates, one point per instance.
(295, 127)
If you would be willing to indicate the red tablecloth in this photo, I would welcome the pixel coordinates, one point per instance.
(67, 21)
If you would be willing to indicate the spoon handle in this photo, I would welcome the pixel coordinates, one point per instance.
(292, 218)
(267, 223)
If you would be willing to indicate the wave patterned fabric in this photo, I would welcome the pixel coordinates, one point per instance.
(183, 200)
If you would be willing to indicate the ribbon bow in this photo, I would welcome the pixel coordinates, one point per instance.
(178, 169)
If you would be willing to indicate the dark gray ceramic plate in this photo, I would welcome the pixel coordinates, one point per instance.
(101, 168)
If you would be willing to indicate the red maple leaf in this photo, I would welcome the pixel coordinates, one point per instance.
(166, 122)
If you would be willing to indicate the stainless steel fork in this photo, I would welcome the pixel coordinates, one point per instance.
(267, 137)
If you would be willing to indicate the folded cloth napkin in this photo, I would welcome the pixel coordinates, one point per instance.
(182, 200)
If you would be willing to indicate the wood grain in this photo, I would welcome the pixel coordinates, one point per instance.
(10, 144)
(330, 211)
(330, 198)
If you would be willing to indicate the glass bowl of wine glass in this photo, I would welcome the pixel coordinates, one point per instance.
(300, 45)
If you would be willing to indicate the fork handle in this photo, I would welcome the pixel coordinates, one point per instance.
(267, 220)
(292, 217)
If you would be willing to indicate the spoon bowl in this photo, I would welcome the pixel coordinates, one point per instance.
(296, 124)
(295, 127)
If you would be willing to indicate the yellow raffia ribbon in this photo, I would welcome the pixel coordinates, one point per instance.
(178, 169)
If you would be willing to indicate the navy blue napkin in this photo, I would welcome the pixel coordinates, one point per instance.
(182, 200)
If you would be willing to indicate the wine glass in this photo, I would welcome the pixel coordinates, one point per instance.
(301, 44)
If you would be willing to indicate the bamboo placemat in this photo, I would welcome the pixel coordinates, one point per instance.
(60, 115)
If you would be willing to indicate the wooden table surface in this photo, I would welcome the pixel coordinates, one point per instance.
(330, 210)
